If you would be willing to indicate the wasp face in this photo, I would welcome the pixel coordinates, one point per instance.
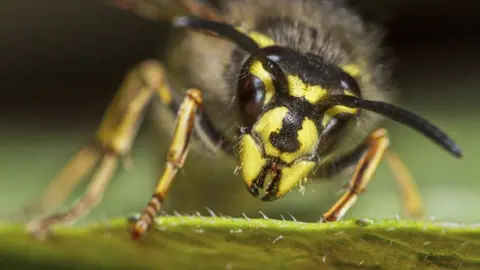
(285, 121)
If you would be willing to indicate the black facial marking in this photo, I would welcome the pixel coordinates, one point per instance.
(287, 139)
(259, 181)
(272, 189)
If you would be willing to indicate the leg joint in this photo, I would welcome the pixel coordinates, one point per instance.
(195, 95)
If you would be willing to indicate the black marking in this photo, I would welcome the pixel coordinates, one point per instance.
(310, 68)
(272, 190)
(287, 139)
(259, 181)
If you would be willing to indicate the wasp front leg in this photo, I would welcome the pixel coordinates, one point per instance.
(412, 201)
(114, 139)
(175, 158)
(376, 145)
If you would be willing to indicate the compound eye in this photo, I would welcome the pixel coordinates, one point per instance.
(254, 77)
(251, 97)
(350, 83)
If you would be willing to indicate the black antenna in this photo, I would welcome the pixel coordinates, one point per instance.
(397, 114)
(239, 38)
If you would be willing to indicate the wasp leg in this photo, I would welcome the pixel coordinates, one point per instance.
(65, 182)
(114, 139)
(115, 136)
(91, 198)
(377, 143)
(412, 200)
(175, 159)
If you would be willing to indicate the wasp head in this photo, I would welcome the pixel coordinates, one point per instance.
(285, 122)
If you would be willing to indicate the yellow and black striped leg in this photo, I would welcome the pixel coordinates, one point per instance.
(114, 139)
(377, 143)
(176, 156)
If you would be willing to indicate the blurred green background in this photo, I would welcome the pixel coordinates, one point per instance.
(61, 63)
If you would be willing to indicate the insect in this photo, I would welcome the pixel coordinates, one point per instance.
(301, 82)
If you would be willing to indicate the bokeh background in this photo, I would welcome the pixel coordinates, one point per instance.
(62, 60)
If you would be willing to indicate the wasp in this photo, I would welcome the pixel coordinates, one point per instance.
(302, 83)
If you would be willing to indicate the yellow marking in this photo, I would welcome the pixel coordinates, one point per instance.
(312, 93)
(308, 138)
(352, 70)
(124, 114)
(270, 122)
(330, 113)
(261, 39)
(164, 94)
(291, 176)
(153, 75)
(184, 126)
(296, 86)
(251, 159)
(257, 69)
(119, 127)
(349, 93)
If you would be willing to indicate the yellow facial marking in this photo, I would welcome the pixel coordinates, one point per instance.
(292, 175)
(261, 39)
(250, 153)
(330, 113)
(308, 138)
(349, 93)
(270, 122)
(297, 88)
(257, 69)
(352, 70)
